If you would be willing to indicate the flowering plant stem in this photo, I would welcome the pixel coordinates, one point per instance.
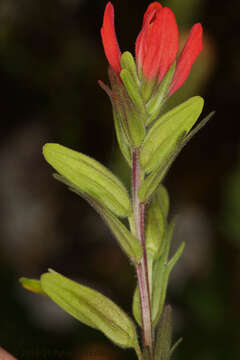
(142, 268)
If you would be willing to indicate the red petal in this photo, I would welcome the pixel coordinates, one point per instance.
(109, 39)
(190, 52)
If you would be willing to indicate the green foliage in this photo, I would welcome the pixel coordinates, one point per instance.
(152, 181)
(125, 103)
(123, 145)
(90, 177)
(126, 239)
(164, 336)
(91, 308)
(137, 114)
(136, 306)
(129, 78)
(164, 348)
(156, 221)
(106, 194)
(128, 62)
(161, 271)
(154, 106)
(160, 275)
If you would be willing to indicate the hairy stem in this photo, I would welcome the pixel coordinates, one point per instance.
(142, 269)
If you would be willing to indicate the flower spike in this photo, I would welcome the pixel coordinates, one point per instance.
(157, 72)
(156, 47)
(109, 39)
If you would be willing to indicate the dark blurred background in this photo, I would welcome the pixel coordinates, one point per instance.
(50, 60)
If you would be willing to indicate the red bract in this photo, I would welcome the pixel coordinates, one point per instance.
(109, 39)
(187, 57)
(156, 45)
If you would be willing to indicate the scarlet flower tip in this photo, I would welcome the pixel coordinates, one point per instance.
(109, 39)
(197, 29)
(154, 6)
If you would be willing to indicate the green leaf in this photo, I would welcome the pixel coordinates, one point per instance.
(161, 272)
(164, 336)
(156, 221)
(118, 113)
(137, 122)
(32, 285)
(123, 145)
(160, 276)
(127, 241)
(163, 135)
(133, 92)
(164, 199)
(119, 98)
(131, 117)
(197, 128)
(154, 105)
(147, 86)
(134, 108)
(153, 180)
(90, 177)
(91, 308)
(172, 262)
(136, 307)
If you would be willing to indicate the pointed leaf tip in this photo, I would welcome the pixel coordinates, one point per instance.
(31, 285)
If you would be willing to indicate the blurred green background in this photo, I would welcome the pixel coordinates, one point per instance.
(50, 60)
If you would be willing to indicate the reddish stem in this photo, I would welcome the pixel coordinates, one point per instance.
(142, 269)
